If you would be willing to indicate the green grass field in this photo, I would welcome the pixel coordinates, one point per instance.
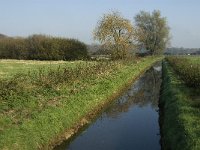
(194, 59)
(37, 106)
(180, 105)
(8, 68)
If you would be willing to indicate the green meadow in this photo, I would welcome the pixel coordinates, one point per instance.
(9, 67)
(42, 100)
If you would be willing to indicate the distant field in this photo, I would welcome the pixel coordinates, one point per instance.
(9, 67)
(195, 59)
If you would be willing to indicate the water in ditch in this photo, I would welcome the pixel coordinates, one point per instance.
(130, 123)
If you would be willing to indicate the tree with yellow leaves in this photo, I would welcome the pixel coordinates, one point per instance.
(116, 34)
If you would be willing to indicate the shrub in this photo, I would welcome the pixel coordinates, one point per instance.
(41, 47)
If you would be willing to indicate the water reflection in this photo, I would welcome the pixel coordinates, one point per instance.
(144, 91)
(131, 122)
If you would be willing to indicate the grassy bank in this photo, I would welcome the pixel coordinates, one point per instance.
(180, 116)
(38, 106)
(188, 68)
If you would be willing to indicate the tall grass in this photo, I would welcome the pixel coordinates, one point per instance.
(187, 68)
(25, 89)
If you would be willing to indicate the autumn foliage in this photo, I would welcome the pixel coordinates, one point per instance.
(116, 34)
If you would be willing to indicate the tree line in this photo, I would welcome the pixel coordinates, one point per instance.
(118, 36)
(121, 38)
(42, 47)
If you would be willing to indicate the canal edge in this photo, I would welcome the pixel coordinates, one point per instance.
(92, 115)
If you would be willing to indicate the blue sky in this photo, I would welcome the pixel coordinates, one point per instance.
(78, 18)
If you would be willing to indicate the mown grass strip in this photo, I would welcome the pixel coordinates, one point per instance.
(180, 113)
(58, 106)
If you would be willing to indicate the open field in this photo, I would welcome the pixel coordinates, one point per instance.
(36, 107)
(194, 59)
(9, 67)
(180, 105)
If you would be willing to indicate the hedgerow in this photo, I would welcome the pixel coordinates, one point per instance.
(187, 69)
(41, 47)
